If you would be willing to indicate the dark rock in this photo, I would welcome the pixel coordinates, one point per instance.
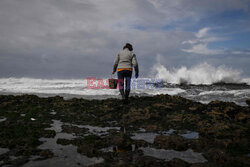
(177, 162)
(74, 129)
(223, 128)
(148, 161)
(216, 156)
(87, 150)
(63, 141)
(248, 102)
(171, 142)
(122, 142)
(20, 161)
(44, 154)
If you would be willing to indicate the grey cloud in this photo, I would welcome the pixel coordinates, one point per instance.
(78, 38)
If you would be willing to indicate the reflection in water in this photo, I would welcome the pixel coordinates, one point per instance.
(96, 130)
(64, 155)
(188, 156)
(150, 136)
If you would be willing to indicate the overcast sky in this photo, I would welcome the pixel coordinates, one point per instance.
(80, 38)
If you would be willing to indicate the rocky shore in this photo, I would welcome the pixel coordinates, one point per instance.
(150, 131)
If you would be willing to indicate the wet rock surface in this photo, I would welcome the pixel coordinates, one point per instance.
(106, 132)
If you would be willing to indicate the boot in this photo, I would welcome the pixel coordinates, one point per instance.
(126, 96)
(122, 93)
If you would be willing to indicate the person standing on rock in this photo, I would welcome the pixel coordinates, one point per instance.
(123, 64)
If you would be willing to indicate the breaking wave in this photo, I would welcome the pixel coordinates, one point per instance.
(200, 74)
(74, 88)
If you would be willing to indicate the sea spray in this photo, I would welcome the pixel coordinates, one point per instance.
(200, 74)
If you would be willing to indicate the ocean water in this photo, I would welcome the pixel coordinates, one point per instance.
(78, 88)
(237, 93)
(203, 83)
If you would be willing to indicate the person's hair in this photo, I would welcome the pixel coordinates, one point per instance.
(129, 46)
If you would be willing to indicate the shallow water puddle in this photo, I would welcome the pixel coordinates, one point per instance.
(64, 155)
(22, 115)
(96, 130)
(53, 112)
(3, 150)
(14, 157)
(190, 135)
(56, 126)
(3, 119)
(108, 149)
(150, 136)
(167, 155)
(112, 123)
(115, 148)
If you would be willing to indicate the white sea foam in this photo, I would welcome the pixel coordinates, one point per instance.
(200, 74)
(144, 87)
(228, 92)
(246, 80)
(76, 87)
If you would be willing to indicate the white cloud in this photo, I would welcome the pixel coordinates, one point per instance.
(241, 52)
(202, 49)
(202, 32)
(199, 45)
